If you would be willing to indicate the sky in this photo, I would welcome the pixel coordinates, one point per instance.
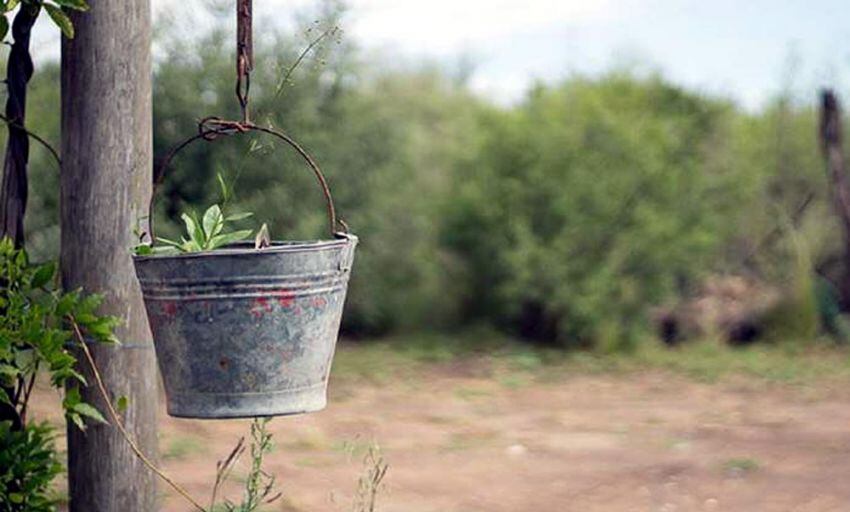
(746, 50)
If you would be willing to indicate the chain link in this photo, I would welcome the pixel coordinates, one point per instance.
(244, 55)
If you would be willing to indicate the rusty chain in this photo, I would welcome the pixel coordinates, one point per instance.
(244, 54)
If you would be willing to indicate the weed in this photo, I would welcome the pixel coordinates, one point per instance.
(375, 469)
(259, 485)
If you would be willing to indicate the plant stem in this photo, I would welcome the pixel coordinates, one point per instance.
(27, 393)
(286, 76)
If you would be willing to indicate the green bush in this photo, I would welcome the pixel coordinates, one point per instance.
(35, 333)
(589, 202)
(29, 462)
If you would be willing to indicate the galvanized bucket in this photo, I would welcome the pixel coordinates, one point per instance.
(243, 332)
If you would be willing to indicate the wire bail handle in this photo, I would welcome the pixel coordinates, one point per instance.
(210, 129)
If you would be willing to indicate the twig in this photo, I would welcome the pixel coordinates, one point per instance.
(27, 393)
(767, 240)
(282, 84)
(120, 425)
(35, 137)
(223, 468)
(370, 481)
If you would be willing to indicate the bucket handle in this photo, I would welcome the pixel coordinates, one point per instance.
(210, 129)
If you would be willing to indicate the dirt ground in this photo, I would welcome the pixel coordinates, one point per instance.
(461, 439)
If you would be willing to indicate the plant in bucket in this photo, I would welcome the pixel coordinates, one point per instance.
(244, 329)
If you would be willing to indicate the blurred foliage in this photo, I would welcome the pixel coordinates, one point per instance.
(29, 462)
(564, 218)
(587, 203)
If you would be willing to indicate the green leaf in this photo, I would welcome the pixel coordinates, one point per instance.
(16, 498)
(89, 412)
(225, 192)
(25, 358)
(169, 242)
(213, 222)
(4, 27)
(191, 226)
(228, 238)
(238, 216)
(189, 246)
(43, 274)
(143, 250)
(72, 398)
(122, 403)
(77, 5)
(9, 371)
(66, 303)
(164, 250)
(11, 4)
(21, 259)
(102, 329)
(61, 20)
(78, 420)
(195, 232)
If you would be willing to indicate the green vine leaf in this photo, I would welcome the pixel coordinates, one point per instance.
(43, 275)
(195, 231)
(77, 5)
(61, 20)
(89, 411)
(213, 222)
(122, 403)
(4, 27)
(238, 216)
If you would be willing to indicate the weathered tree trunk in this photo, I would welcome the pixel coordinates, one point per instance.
(13, 189)
(105, 187)
(831, 138)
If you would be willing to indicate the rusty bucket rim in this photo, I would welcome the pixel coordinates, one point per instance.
(247, 249)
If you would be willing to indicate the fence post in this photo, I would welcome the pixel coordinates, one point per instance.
(105, 187)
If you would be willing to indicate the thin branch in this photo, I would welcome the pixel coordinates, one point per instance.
(772, 236)
(224, 467)
(27, 394)
(35, 137)
(282, 84)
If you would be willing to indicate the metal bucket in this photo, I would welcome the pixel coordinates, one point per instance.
(243, 332)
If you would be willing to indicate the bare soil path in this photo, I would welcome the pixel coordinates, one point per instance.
(460, 438)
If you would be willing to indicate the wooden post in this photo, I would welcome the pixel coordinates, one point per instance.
(105, 187)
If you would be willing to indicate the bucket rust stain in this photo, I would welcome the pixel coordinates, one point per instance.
(260, 307)
(285, 298)
(169, 309)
